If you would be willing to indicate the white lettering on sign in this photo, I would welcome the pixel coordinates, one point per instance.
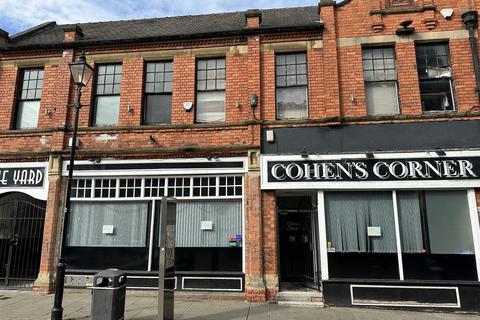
(374, 170)
(4, 180)
(21, 177)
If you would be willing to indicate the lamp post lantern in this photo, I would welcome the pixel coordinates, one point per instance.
(81, 74)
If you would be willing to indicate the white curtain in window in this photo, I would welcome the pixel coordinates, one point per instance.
(292, 103)
(211, 106)
(410, 221)
(87, 219)
(107, 110)
(27, 114)
(348, 216)
(381, 98)
(226, 216)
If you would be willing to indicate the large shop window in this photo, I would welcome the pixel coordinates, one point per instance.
(361, 233)
(211, 76)
(108, 224)
(291, 82)
(158, 92)
(381, 90)
(434, 71)
(31, 84)
(208, 248)
(107, 95)
(436, 233)
(434, 228)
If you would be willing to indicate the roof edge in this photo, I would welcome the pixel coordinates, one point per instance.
(3, 34)
(33, 30)
(244, 32)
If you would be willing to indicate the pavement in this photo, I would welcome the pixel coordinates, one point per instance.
(24, 305)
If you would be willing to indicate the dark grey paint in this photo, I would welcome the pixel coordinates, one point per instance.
(375, 137)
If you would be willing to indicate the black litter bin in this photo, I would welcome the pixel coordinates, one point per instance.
(108, 295)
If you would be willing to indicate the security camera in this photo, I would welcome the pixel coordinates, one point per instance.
(446, 13)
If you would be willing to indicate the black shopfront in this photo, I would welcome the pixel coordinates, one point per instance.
(396, 224)
(114, 221)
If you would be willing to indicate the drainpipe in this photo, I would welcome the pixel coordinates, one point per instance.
(470, 19)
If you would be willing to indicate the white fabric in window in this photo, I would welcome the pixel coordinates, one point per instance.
(226, 216)
(129, 220)
(292, 103)
(211, 106)
(410, 221)
(27, 114)
(348, 216)
(107, 110)
(381, 98)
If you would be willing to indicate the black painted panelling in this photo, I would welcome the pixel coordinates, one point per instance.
(417, 136)
(407, 295)
(337, 293)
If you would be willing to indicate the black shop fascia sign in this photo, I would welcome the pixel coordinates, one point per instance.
(22, 177)
(374, 170)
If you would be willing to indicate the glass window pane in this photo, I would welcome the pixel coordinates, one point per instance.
(280, 60)
(361, 232)
(220, 63)
(150, 67)
(436, 95)
(220, 84)
(158, 109)
(129, 222)
(201, 64)
(292, 103)
(201, 75)
(27, 114)
(447, 213)
(281, 81)
(167, 87)
(426, 218)
(381, 98)
(210, 106)
(107, 110)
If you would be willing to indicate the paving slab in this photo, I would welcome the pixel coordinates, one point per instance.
(24, 305)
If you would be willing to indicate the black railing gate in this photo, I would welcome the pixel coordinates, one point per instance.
(21, 231)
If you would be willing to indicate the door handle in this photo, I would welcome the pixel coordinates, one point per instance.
(13, 242)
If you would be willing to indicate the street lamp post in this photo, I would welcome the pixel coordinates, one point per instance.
(81, 73)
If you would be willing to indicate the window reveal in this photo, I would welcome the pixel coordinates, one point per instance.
(31, 84)
(107, 95)
(211, 78)
(380, 74)
(291, 82)
(435, 76)
(158, 92)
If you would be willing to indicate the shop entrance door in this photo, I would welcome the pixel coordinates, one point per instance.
(298, 243)
(21, 231)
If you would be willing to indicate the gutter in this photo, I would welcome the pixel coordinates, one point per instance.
(470, 20)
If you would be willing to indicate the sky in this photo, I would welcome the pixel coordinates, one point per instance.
(19, 15)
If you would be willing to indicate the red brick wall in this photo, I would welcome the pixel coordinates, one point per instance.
(8, 81)
(183, 89)
(131, 93)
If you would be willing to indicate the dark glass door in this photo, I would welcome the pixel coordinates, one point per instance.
(297, 242)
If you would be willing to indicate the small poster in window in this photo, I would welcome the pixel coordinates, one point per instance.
(374, 231)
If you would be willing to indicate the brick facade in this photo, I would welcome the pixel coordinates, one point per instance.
(336, 94)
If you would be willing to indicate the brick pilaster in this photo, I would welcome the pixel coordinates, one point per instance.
(330, 58)
(52, 230)
(270, 244)
(254, 281)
